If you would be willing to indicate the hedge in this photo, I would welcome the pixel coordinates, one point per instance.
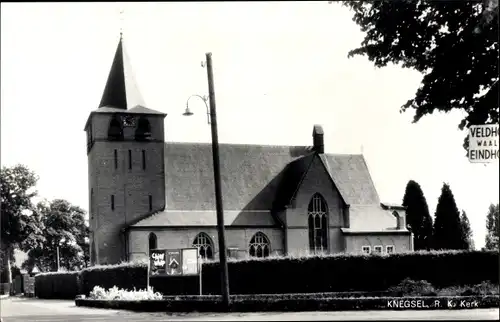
(340, 273)
(313, 274)
(256, 304)
(56, 285)
(124, 275)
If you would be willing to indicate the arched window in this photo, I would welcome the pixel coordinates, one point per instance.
(153, 242)
(143, 130)
(204, 245)
(259, 245)
(115, 131)
(318, 224)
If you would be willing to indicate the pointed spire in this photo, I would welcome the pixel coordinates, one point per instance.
(121, 90)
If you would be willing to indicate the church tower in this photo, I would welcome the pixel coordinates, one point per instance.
(125, 147)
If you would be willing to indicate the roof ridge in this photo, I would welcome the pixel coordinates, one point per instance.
(241, 144)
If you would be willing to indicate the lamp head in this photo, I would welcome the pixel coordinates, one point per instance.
(187, 112)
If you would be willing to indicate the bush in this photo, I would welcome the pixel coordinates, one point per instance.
(482, 289)
(56, 285)
(409, 287)
(349, 272)
(126, 276)
(116, 294)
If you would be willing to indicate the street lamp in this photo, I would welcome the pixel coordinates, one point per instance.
(61, 241)
(212, 120)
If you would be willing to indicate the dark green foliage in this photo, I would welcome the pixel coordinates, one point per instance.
(409, 287)
(283, 304)
(447, 226)
(418, 216)
(493, 227)
(63, 285)
(467, 240)
(340, 273)
(18, 227)
(454, 44)
(126, 276)
(64, 225)
(359, 273)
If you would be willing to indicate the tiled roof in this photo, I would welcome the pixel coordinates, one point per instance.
(208, 218)
(250, 175)
(254, 177)
(351, 176)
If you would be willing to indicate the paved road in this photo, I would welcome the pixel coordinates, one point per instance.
(19, 309)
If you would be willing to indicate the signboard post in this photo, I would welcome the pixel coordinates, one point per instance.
(483, 143)
(174, 262)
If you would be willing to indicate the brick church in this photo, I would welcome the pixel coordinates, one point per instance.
(146, 193)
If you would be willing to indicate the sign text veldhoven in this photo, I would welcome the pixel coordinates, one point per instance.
(483, 143)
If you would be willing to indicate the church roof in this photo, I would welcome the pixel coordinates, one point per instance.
(121, 91)
(255, 179)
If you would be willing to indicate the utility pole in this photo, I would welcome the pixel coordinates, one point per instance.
(58, 264)
(218, 193)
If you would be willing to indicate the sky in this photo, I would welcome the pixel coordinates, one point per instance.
(279, 68)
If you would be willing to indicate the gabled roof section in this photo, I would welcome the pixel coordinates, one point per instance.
(250, 175)
(121, 91)
(292, 177)
(351, 176)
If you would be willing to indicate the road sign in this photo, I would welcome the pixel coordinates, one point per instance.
(484, 143)
(174, 262)
(190, 261)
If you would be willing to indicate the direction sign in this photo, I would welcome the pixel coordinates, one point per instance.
(190, 261)
(173, 262)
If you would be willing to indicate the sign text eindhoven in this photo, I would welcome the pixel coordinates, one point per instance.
(483, 143)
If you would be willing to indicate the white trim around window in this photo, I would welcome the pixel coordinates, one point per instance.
(366, 249)
(378, 249)
(391, 248)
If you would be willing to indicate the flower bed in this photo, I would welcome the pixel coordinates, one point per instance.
(410, 295)
(278, 304)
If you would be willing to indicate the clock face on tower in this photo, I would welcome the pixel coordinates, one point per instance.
(128, 120)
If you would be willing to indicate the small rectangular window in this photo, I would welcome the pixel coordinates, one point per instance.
(389, 249)
(143, 159)
(116, 159)
(112, 202)
(150, 203)
(130, 159)
(366, 249)
(377, 249)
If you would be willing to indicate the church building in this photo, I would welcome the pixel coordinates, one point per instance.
(146, 193)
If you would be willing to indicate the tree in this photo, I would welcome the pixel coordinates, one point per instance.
(418, 216)
(18, 230)
(467, 240)
(65, 228)
(492, 227)
(447, 226)
(454, 44)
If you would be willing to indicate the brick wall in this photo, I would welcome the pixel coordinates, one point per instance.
(401, 243)
(316, 181)
(131, 187)
(172, 238)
